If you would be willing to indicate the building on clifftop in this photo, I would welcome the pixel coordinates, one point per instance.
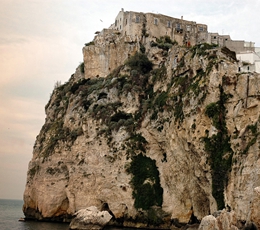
(130, 30)
(136, 24)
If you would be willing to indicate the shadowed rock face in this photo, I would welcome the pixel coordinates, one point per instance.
(162, 146)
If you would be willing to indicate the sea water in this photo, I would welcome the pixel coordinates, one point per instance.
(11, 212)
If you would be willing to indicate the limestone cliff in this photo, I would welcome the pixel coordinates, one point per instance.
(160, 133)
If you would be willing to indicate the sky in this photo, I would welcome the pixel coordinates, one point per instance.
(41, 43)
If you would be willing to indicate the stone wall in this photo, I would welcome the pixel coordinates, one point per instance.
(157, 25)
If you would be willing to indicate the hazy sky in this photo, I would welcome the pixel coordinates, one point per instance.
(41, 43)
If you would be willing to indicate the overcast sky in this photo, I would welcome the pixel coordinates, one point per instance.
(41, 43)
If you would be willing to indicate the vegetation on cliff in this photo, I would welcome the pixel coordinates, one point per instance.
(218, 147)
(169, 92)
(140, 80)
(146, 182)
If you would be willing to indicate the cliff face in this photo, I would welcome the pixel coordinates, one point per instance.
(161, 140)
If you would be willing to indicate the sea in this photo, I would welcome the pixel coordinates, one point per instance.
(11, 212)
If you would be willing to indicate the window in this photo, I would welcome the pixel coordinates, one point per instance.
(126, 22)
(188, 28)
(178, 28)
(214, 37)
(137, 19)
(116, 23)
(168, 24)
(155, 21)
(200, 28)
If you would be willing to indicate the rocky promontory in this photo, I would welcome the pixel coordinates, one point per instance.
(164, 136)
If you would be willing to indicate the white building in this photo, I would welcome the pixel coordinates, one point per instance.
(249, 61)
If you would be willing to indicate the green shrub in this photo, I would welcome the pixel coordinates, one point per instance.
(159, 74)
(140, 62)
(75, 86)
(144, 30)
(121, 119)
(254, 133)
(178, 108)
(75, 133)
(142, 48)
(127, 87)
(59, 133)
(202, 49)
(90, 43)
(137, 143)
(160, 100)
(147, 190)
(253, 128)
(212, 111)
(154, 217)
(58, 170)
(115, 73)
(164, 43)
(33, 170)
(251, 142)
(219, 149)
(229, 53)
(82, 69)
(85, 104)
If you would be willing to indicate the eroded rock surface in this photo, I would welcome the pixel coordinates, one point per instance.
(90, 219)
(162, 145)
(223, 220)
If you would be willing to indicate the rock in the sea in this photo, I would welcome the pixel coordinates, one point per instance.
(222, 220)
(90, 218)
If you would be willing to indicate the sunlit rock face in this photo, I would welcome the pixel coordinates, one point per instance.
(163, 134)
(90, 218)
